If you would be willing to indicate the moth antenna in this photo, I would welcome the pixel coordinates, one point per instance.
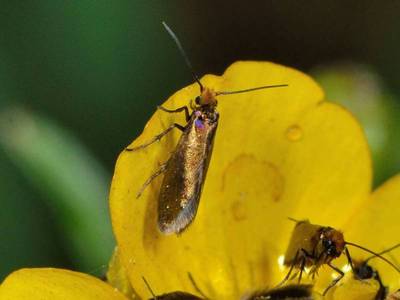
(384, 251)
(149, 288)
(375, 254)
(183, 53)
(250, 90)
(196, 287)
(293, 219)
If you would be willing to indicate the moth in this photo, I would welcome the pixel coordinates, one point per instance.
(186, 169)
(314, 245)
(363, 270)
(289, 292)
(177, 295)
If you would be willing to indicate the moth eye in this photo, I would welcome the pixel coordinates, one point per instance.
(199, 124)
(197, 100)
(330, 247)
(327, 244)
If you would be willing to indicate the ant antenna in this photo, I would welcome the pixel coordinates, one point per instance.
(196, 287)
(183, 53)
(252, 89)
(384, 251)
(149, 288)
(375, 254)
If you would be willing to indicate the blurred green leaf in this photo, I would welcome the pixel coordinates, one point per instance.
(69, 179)
(362, 91)
(26, 232)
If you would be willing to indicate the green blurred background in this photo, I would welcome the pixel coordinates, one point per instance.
(78, 80)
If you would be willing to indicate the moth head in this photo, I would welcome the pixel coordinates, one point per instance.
(332, 242)
(206, 98)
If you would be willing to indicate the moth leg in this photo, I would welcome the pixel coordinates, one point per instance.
(157, 137)
(302, 265)
(334, 282)
(196, 287)
(349, 260)
(183, 108)
(314, 272)
(161, 170)
(290, 270)
(294, 275)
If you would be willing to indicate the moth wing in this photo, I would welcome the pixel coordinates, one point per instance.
(179, 196)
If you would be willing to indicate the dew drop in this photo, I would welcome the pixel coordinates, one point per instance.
(294, 133)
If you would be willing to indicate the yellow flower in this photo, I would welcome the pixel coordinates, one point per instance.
(54, 284)
(278, 153)
(376, 226)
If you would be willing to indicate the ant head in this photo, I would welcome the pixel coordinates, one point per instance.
(332, 241)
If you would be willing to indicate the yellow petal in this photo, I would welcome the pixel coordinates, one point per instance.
(278, 153)
(54, 284)
(376, 226)
(355, 290)
(118, 277)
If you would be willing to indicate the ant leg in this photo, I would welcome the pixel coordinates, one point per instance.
(157, 137)
(290, 270)
(161, 170)
(196, 287)
(183, 108)
(334, 282)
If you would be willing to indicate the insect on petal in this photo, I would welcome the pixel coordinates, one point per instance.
(258, 176)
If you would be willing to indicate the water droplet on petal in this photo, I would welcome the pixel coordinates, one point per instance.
(294, 133)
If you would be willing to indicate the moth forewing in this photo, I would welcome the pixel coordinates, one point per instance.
(292, 292)
(186, 172)
(176, 296)
(303, 237)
